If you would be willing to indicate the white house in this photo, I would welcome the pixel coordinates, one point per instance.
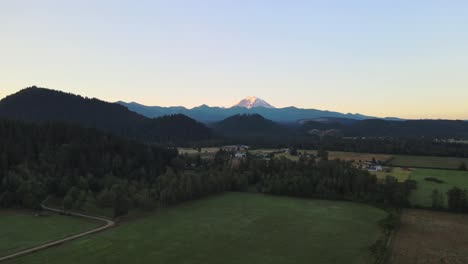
(375, 168)
(240, 155)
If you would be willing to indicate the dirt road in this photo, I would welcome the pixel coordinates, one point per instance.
(108, 224)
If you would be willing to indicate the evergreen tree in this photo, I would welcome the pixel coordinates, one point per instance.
(437, 199)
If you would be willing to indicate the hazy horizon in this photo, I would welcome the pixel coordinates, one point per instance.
(399, 59)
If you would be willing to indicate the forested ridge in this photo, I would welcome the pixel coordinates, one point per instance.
(43, 105)
(396, 129)
(51, 158)
(389, 145)
(252, 128)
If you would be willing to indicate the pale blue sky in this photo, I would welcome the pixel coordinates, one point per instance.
(383, 58)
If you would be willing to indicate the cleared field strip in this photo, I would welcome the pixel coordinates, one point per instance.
(430, 237)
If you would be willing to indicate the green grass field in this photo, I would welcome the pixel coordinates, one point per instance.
(400, 174)
(233, 228)
(427, 162)
(21, 229)
(422, 195)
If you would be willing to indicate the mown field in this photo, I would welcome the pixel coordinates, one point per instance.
(422, 195)
(430, 237)
(427, 162)
(233, 228)
(22, 229)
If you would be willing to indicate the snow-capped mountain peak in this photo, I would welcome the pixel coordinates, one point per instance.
(252, 101)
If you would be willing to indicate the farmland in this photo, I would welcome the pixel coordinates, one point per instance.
(427, 162)
(391, 160)
(422, 195)
(233, 228)
(22, 229)
(430, 237)
(205, 153)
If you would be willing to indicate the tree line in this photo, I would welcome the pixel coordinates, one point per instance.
(79, 165)
(37, 160)
(457, 200)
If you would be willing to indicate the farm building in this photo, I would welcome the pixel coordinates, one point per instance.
(240, 155)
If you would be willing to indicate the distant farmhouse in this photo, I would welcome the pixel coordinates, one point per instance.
(240, 155)
(239, 151)
(375, 168)
(372, 165)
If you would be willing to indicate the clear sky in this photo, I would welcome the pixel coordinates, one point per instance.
(384, 58)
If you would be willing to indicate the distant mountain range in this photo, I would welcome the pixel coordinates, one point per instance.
(249, 105)
(240, 124)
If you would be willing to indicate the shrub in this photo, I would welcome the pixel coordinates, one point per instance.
(433, 179)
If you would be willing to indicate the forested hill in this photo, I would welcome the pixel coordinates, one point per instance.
(37, 160)
(250, 126)
(39, 104)
(409, 128)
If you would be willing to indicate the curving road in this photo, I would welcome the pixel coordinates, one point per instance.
(109, 224)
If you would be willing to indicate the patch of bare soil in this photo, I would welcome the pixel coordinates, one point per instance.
(430, 237)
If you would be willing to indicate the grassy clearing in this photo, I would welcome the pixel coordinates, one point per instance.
(22, 229)
(233, 228)
(401, 174)
(422, 195)
(427, 162)
(205, 153)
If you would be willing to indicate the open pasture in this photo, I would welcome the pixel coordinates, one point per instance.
(451, 178)
(233, 228)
